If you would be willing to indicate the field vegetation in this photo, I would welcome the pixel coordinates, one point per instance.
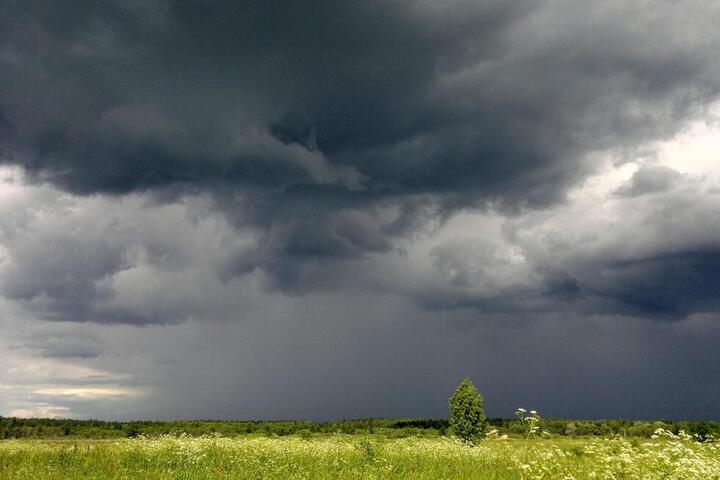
(361, 457)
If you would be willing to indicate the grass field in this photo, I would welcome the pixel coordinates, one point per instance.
(358, 457)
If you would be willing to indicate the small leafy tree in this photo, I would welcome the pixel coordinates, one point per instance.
(467, 418)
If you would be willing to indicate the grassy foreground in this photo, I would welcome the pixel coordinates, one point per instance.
(345, 456)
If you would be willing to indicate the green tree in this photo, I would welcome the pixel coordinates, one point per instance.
(467, 418)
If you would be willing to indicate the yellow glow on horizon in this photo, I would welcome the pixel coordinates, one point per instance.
(87, 392)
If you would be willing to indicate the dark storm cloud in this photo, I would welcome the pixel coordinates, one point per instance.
(659, 258)
(664, 286)
(337, 130)
(672, 285)
(483, 101)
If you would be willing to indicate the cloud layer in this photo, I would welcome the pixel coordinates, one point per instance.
(202, 168)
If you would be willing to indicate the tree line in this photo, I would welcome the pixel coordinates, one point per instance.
(11, 427)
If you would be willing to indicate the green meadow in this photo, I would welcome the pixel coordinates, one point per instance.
(321, 456)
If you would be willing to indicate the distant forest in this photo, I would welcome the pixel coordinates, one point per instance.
(11, 427)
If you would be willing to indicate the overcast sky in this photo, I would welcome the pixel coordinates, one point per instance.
(333, 209)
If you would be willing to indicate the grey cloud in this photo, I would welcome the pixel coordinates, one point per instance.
(98, 260)
(300, 254)
(60, 278)
(64, 345)
(650, 179)
(562, 286)
(657, 260)
(70, 351)
(345, 103)
(144, 263)
(467, 262)
(651, 256)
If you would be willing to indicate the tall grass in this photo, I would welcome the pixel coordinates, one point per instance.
(345, 456)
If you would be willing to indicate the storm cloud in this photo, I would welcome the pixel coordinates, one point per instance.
(200, 167)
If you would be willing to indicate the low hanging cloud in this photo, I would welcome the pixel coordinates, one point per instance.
(650, 179)
(141, 262)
